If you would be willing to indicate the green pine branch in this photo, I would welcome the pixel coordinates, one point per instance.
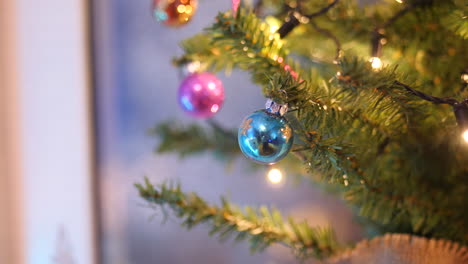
(375, 203)
(260, 227)
(395, 157)
(194, 139)
(330, 117)
(457, 22)
(243, 42)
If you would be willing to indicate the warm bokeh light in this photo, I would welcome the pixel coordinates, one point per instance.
(465, 136)
(376, 63)
(274, 23)
(275, 176)
(399, 1)
(464, 77)
(181, 8)
(193, 67)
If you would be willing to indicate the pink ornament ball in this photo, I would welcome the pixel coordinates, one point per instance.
(201, 95)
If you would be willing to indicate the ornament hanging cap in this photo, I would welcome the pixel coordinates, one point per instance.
(275, 108)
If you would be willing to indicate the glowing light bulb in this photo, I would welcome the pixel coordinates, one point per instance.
(274, 23)
(376, 63)
(181, 9)
(464, 77)
(275, 176)
(193, 66)
(465, 136)
(273, 29)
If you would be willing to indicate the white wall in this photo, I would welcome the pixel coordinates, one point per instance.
(52, 108)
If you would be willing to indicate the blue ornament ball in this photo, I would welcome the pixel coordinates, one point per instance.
(265, 137)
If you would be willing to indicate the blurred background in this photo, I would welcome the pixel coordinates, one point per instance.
(82, 83)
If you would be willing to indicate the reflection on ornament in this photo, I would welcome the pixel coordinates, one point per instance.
(465, 136)
(265, 137)
(174, 12)
(201, 95)
(376, 63)
(246, 126)
(275, 176)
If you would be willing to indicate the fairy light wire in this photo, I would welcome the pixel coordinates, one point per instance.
(294, 18)
(460, 108)
(329, 35)
(378, 34)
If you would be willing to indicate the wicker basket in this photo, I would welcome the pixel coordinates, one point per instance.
(403, 249)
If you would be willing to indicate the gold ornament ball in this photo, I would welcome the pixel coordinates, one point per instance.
(174, 12)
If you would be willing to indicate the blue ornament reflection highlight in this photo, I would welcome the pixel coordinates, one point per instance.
(265, 137)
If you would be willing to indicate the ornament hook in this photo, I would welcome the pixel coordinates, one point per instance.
(275, 108)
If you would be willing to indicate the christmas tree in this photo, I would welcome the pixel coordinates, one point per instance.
(368, 100)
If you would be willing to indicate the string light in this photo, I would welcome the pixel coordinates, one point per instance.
(376, 63)
(465, 136)
(275, 176)
(295, 18)
(464, 77)
(274, 23)
(193, 66)
(460, 110)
